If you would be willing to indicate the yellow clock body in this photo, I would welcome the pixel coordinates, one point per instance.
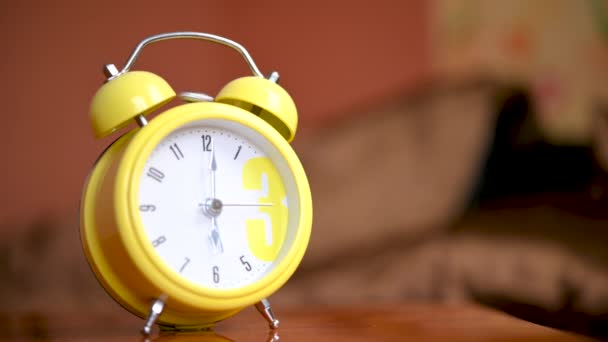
(206, 207)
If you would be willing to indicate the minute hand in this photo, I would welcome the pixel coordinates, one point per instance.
(213, 168)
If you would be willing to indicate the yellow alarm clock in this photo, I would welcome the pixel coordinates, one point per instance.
(204, 209)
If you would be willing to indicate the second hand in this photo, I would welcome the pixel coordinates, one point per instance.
(248, 205)
(240, 204)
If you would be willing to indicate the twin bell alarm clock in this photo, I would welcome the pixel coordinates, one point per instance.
(205, 208)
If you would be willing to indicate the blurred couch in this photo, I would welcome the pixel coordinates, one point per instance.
(454, 194)
(400, 215)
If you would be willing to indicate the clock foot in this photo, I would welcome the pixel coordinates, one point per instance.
(266, 311)
(155, 310)
(273, 336)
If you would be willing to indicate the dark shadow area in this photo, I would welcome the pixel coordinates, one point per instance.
(539, 193)
(522, 162)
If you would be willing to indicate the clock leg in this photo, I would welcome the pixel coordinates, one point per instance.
(273, 336)
(155, 310)
(266, 310)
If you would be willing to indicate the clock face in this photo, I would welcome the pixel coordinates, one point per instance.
(218, 203)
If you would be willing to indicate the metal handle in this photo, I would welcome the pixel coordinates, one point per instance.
(192, 35)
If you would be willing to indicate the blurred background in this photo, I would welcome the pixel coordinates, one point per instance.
(457, 150)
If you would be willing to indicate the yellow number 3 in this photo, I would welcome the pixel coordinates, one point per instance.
(253, 172)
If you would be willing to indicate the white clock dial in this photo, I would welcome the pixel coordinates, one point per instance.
(214, 199)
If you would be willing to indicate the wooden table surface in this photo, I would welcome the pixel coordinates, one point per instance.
(398, 322)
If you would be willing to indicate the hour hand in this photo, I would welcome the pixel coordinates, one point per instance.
(214, 237)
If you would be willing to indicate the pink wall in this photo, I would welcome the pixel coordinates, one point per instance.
(332, 58)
